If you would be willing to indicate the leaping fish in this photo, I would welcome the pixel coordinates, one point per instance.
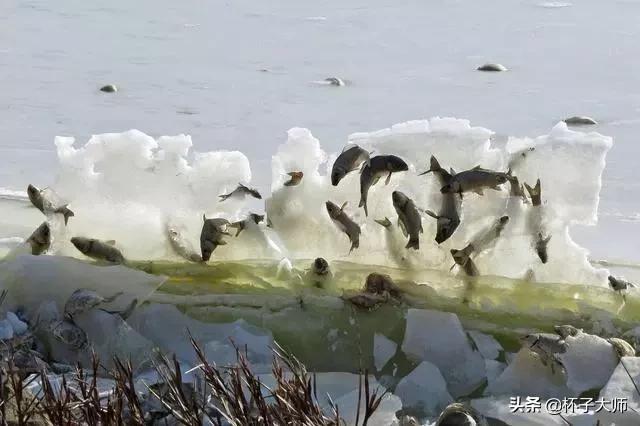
(348, 161)
(45, 205)
(448, 217)
(540, 237)
(344, 223)
(240, 192)
(378, 166)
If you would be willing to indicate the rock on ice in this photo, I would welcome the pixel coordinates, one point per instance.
(438, 337)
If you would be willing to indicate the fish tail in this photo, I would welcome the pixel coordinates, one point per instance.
(354, 245)
(66, 212)
(535, 192)
(363, 203)
(413, 243)
(224, 196)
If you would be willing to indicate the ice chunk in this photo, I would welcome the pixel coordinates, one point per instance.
(33, 279)
(526, 376)
(589, 362)
(6, 330)
(623, 384)
(19, 326)
(486, 344)
(383, 350)
(152, 321)
(424, 389)
(438, 337)
(494, 369)
(383, 416)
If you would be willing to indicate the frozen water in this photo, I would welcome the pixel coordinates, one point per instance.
(623, 382)
(494, 370)
(424, 389)
(589, 362)
(383, 416)
(19, 326)
(6, 330)
(383, 350)
(526, 376)
(438, 337)
(486, 344)
(498, 408)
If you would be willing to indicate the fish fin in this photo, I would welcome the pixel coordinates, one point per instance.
(424, 173)
(111, 242)
(386, 182)
(432, 214)
(343, 205)
(221, 243)
(453, 172)
(223, 197)
(402, 228)
(363, 203)
(477, 167)
(414, 244)
(384, 222)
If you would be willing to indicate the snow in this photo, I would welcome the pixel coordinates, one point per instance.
(383, 350)
(438, 337)
(424, 389)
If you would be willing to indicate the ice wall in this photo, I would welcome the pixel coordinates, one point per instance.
(128, 186)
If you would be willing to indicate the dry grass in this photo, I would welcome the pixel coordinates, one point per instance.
(229, 395)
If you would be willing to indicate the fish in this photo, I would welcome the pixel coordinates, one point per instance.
(240, 192)
(548, 346)
(83, 300)
(68, 333)
(319, 273)
(460, 414)
(517, 189)
(409, 218)
(622, 347)
(98, 250)
(378, 166)
(40, 239)
(380, 284)
(619, 284)
(540, 237)
(480, 242)
(448, 217)
(349, 160)
(181, 246)
(492, 67)
(383, 222)
(475, 180)
(344, 223)
(45, 205)
(579, 120)
(211, 236)
(320, 266)
(295, 178)
(566, 330)
(242, 224)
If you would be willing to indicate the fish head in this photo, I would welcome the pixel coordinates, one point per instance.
(616, 284)
(399, 199)
(530, 339)
(459, 256)
(257, 218)
(32, 191)
(396, 164)
(445, 229)
(255, 194)
(45, 231)
(81, 244)
(332, 209)
(451, 188)
(320, 266)
(501, 178)
(503, 220)
(336, 175)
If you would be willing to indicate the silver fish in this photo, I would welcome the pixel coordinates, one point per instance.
(240, 192)
(40, 239)
(448, 218)
(295, 178)
(344, 223)
(242, 224)
(98, 250)
(622, 347)
(68, 333)
(348, 161)
(378, 166)
(566, 330)
(181, 246)
(83, 300)
(211, 236)
(540, 239)
(37, 198)
(409, 218)
(476, 180)
(480, 242)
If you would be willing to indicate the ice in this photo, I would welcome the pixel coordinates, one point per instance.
(494, 370)
(19, 326)
(526, 376)
(383, 350)
(383, 416)
(6, 330)
(424, 389)
(589, 362)
(153, 321)
(486, 344)
(438, 337)
(623, 383)
(127, 186)
(33, 279)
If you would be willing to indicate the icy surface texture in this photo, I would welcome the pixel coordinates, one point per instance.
(438, 337)
(424, 389)
(127, 187)
(383, 350)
